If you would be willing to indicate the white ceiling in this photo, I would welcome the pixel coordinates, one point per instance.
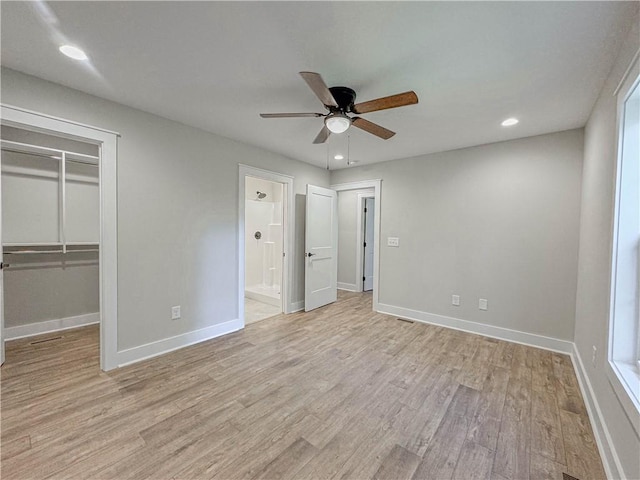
(217, 65)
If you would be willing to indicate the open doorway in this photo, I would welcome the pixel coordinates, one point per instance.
(265, 200)
(59, 230)
(358, 237)
(368, 243)
(264, 248)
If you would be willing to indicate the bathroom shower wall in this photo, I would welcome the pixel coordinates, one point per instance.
(263, 256)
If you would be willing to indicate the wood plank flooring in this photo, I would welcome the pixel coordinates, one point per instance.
(340, 392)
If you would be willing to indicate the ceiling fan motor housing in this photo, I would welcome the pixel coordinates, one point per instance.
(345, 97)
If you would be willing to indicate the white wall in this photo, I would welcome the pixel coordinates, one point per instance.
(498, 221)
(347, 232)
(594, 265)
(177, 210)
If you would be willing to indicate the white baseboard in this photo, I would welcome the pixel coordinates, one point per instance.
(297, 306)
(48, 326)
(166, 345)
(530, 339)
(349, 287)
(260, 297)
(611, 462)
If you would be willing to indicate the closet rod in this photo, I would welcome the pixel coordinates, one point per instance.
(46, 155)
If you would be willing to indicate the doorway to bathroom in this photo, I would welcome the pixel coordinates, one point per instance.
(264, 248)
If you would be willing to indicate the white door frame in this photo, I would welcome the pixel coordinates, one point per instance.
(360, 239)
(108, 255)
(287, 233)
(376, 185)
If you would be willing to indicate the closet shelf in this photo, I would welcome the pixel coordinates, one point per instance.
(50, 244)
(49, 248)
(53, 153)
(39, 252)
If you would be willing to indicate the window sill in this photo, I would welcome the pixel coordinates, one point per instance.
(625, 380)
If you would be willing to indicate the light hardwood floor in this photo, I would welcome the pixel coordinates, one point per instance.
(340, 392)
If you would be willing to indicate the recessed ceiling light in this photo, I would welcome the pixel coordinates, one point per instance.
(510, 122)
(339, 157)
(73, 52)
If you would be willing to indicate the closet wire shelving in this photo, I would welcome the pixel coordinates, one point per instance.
(62, 156)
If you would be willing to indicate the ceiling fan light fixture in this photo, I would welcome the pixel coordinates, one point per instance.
(337, 122)
(339, 157)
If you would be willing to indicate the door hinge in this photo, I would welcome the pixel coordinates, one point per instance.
(365, 244)
(364, 279)
(365, 209)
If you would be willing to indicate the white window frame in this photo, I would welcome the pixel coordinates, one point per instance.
(623, 375)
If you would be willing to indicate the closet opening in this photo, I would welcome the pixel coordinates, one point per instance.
(264, 248)
(50, 232)
(359, 237)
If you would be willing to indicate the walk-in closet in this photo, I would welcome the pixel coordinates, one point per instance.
(50, 235)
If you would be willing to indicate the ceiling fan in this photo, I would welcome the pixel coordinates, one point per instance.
(340, 101)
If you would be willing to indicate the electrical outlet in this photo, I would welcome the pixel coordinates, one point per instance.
(455, 300)
(483, 304)
(393, 242)
(175, 312)
(594, 355)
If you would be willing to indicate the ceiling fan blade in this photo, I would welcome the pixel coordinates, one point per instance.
(392, 101)
(290, 115)
(316, 83)
(372, 128)
(323, 135)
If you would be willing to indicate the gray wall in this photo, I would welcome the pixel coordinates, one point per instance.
(347, 235)
(594, 265)
(177, 210)
(47, 291)
(497, 221)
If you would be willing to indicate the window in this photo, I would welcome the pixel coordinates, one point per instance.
(624, 338)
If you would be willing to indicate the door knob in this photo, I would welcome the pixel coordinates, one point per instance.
(310, 254)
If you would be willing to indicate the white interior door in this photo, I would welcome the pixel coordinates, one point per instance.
(321, 248)
(369, 213)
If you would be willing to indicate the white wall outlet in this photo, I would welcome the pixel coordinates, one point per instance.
(483, 304)
(455, 300)
(393, 242)
(175, 312)
(594, 355)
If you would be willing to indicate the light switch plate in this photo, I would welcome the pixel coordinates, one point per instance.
(483, 304)
(393, 242)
